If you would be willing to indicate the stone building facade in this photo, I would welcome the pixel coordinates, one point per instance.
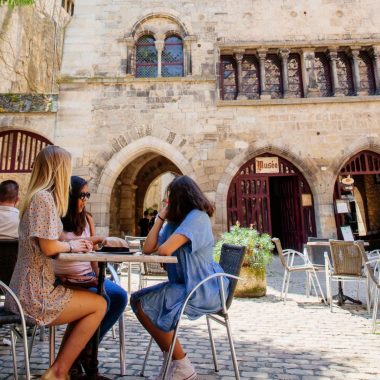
(203, 89)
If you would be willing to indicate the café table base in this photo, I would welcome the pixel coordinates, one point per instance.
(342, 298)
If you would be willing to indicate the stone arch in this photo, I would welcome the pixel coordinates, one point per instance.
(306, 166)
(120, 160)
(365, 143)
(138, 28)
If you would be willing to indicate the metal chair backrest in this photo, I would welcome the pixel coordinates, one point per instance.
(316, 253)
(131, 239)
(154, 269)
(369, 268)
(8, 259)
(346, 258)
(280, 252)
(231, 261)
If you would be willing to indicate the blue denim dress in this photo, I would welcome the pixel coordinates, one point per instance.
(162, 303)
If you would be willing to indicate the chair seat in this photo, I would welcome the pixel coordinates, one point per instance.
(7, 317)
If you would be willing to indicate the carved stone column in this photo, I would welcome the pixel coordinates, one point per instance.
(355, 68)
(284, 54)
(130, 42)
(187, 61)
(375, 55)
(312, 88)
(159, 47)
(262, 54)
(239, 55)
(333, 56)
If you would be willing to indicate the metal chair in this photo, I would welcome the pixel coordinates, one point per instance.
(134, 242)
(376, 281)
(231, 260)
(288, 258)
(52, 329)
(346, 266)
(8, 259)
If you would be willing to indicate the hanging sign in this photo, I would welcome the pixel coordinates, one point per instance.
(267, 165)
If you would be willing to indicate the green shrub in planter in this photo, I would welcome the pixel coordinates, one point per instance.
(258, 256)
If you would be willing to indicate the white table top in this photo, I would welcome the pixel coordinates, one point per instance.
(112, 257)
(327, 243)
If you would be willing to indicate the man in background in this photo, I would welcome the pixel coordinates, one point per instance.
(9, 214)
(144, 224)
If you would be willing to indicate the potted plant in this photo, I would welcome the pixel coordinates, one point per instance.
(258, 256)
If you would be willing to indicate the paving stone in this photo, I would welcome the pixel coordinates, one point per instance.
(299, 340)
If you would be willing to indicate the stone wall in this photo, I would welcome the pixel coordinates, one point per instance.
(31, 41)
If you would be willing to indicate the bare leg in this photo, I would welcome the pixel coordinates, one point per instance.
(86, 310)
(162, 338)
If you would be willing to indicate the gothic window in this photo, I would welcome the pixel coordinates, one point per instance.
(366, 72)
(323, 74)
(273, 76)
(68, 5)
(250, 82)
(18, 149)
(146, 57)
(228, 78)
(295, 76)
(344, 69)
(172, 57)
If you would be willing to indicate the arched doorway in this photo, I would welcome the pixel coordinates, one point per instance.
(130, 189)
(357, 201)
(18, 149)
(271, 194)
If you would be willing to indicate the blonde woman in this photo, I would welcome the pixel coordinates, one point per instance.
(33, 279)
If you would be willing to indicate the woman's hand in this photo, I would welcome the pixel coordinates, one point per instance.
(81, 245)
(164, 212)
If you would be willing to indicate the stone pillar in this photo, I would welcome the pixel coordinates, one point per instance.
(333, 56)
(375, 55)
(354, 52)
(284, 54)
(187, 61)
(312, 88)
(239, 55)
(130, 55)
(262, 54)
(159, 47)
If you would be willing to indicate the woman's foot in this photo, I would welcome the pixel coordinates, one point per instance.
(182, 370)
(50, 375)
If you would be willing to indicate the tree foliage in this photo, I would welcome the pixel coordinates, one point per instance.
(15, 3)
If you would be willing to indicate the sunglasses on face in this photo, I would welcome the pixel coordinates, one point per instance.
(83, 196)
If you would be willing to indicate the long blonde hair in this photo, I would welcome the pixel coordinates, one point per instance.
(51, 172)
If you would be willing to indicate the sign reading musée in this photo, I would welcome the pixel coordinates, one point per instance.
(267, 165)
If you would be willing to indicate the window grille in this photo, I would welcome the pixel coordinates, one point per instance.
(323, 74)
(250, 81)
(295, 76)
(18, 149)
(273, 76)
(228, 78)
(366, 72)
(344, 69)
(172, 57)
(146, 57)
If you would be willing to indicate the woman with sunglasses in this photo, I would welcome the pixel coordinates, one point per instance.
(79, 224)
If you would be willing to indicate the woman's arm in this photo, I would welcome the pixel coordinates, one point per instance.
(171, 245)
(151, 242)
(53, 247)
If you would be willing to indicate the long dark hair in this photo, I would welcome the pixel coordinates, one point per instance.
(74, 221)
(184, 195)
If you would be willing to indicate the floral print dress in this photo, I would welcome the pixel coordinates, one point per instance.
(33, 277)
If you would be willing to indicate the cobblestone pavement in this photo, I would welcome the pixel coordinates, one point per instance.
(301, 340)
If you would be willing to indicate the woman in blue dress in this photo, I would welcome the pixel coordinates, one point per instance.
(188, 236)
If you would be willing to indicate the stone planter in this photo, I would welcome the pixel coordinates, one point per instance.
(253, 283)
